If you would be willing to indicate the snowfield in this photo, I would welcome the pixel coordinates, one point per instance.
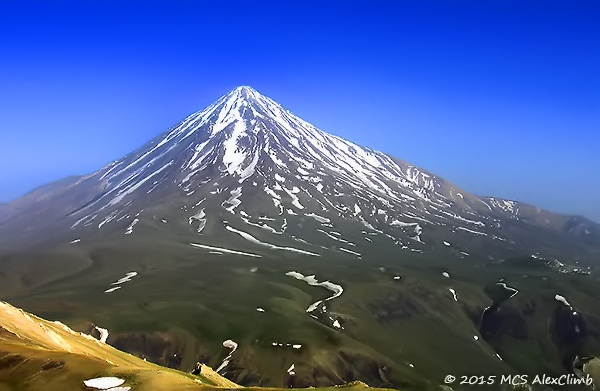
(104, 383)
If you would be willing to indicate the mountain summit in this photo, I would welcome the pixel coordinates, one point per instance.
(245, 157)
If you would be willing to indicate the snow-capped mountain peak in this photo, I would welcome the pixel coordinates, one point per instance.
(247, 156)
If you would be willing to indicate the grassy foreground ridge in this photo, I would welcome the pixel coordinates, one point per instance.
(36, 354)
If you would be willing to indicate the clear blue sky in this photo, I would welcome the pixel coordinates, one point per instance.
(501, 97)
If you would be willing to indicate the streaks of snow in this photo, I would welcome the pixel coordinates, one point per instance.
(264, 225)
(281, 345)
(278, 204)
(453, 292)
(252, 239)
(233, 201)
(279, 178)
(350, 252)
(226, 114)
(249, 170)
(138, 171)
(295, 200)
(234, 155)
(200, 218)
(154, 186)
(513, 291)
(484, 203)
(336, 238)
(446, 243)
(108, 219)
(320, 219)
(291, 371)
(199, 202)
(199, 119)
(302, 171)
(276, 197)
(471, 231)
(403, 224)
(419, 178)
(112, 289)
(457, 217)
(127, 278)
(196, 160)
(104, 383)
(336, 324)
(129, 229)
(563, 300)
(225, 250)
(505, 205)
(357, 210)
(103, 334)
(230, 345)
(85, 219)
(259, 309)
(132, 187)
(476, 338)
(311, 280)
(348, 160)
(446, 274)
(273, 156)
(414, 216)
(75, 241)
(367, 224)
(418, 232)
(111, 169)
